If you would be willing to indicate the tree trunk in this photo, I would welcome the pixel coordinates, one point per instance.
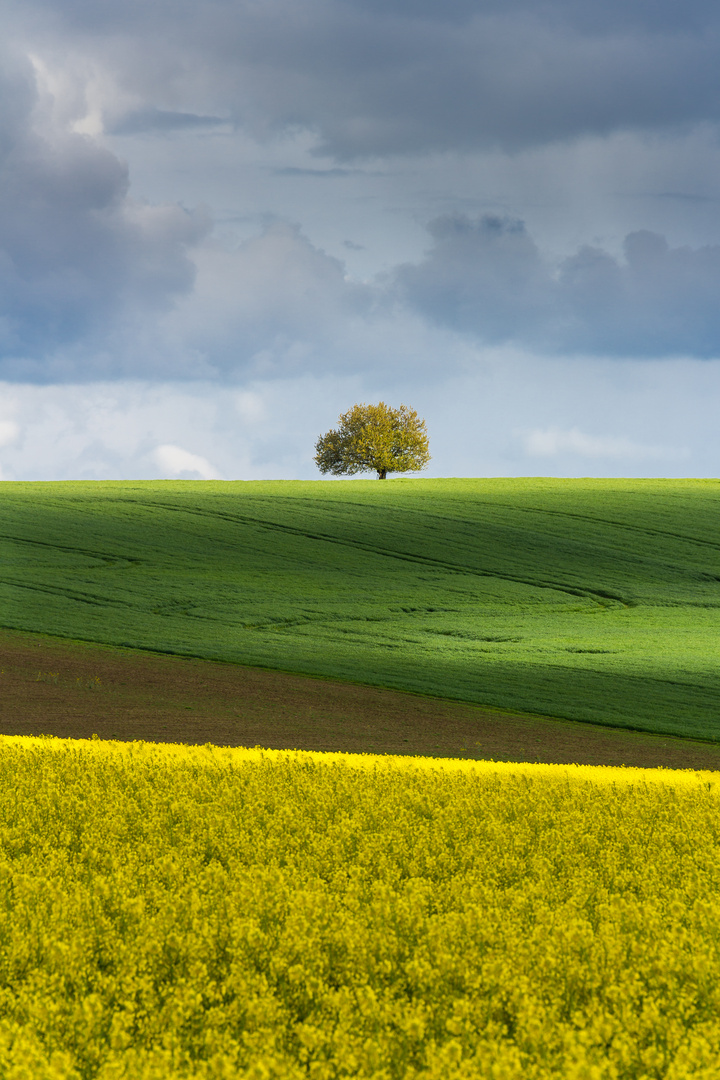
(382, 474)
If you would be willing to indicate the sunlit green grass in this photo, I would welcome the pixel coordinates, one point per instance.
(589, 599)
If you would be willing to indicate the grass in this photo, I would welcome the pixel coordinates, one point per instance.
(593, 600)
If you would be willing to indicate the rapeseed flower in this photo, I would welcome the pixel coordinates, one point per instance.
(198, 912)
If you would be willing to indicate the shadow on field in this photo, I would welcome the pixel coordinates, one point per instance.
(74, 690)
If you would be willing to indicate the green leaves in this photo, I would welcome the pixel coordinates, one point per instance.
(374, 437)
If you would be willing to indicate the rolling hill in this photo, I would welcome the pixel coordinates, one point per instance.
(594, 600)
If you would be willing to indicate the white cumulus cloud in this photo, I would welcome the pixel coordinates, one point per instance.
(178, 462)
(553, 441)
(9, 431)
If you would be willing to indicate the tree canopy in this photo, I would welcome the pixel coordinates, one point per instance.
(374, 438)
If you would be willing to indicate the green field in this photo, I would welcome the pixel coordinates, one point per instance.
(595, 600)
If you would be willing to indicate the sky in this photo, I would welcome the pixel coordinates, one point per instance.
(225, 222)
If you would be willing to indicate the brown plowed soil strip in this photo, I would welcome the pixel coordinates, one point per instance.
(72, 690)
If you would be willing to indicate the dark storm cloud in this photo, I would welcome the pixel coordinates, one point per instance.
(293, 170)
(488, 278)
(355, 79)
(76, 254)
(480, 275)
(657, 301)
(157, 121)
(374, 78)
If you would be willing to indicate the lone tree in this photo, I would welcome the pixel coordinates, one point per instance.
(374, 437)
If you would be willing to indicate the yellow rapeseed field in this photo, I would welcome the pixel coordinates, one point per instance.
(176, 912)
